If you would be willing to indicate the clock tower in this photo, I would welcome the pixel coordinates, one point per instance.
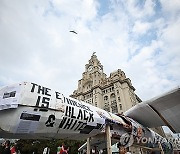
(114, 94)
(94, 65)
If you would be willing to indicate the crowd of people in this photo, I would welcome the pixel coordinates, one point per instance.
(60, 150)
(7, 148)
(11, 148)
(63, 149)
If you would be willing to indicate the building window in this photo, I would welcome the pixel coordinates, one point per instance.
(96, 104)
(105, 98)
(113, 102)
(117, 91)
(95, 97)
(120, 106)
(106, 104)
(107, 109)
(112, 95)
(114, 109)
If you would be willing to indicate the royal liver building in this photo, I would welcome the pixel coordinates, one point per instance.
(114, 93)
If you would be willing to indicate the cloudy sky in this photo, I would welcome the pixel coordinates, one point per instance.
(141, 37)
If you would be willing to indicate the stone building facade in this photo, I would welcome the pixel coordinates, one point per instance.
(114, 93)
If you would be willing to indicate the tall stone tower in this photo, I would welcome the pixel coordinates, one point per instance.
(114, 93)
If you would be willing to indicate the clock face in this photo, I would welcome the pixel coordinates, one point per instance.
(90, 68)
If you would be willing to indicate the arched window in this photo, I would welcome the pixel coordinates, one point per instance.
(120, 106)
(105, 98)
(112, 96)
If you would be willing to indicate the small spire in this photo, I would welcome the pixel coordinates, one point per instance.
(93, 53)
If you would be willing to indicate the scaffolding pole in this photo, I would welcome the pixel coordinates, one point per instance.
(88, 146)
(108, 138)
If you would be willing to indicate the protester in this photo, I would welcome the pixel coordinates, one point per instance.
(6, 147)
(128, 152)
(60, 149)
(14, 149)
(65, 150)
(46, 150)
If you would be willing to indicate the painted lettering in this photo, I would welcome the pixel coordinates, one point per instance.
(72, 124)
(58, 95)
(40, 89)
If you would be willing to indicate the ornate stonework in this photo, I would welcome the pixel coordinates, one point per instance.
(114, 93)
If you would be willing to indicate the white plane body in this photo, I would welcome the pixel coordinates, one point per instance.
(31, 111)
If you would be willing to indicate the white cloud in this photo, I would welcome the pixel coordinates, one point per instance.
(82, 9)
(140, 9)
(172, 7)
(35, 43)
(141, 27)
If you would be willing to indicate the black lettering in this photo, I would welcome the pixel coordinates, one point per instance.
(79, 125)
(91, 117)
(45, 102)
(62, 122)
(8, 95)
(68, 123)
(80, 115)
(89, 108)
(66, 111)
(85, 117)
(82, 126)
(71, 102)
(47, 91)
(74, 103)
(84, 107)
(74, 124)
(69, 111)
(41, 89)
(68, 101)
(37, 102)
(33, 87)
(58, 95)
(78, 104)
(72, 115)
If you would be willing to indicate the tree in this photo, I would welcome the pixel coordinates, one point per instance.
(37, 146)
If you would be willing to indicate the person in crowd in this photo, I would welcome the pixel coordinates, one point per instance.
(65, 150)
(46, 150)
(6, 147)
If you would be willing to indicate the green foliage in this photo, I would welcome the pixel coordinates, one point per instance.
(37, 146)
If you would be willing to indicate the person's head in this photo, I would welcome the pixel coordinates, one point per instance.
(7, 143)
(122, 150)
(65, 147)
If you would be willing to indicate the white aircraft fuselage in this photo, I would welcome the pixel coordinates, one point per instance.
(31, 111)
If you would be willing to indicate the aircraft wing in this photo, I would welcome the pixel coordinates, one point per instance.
(163, 110)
